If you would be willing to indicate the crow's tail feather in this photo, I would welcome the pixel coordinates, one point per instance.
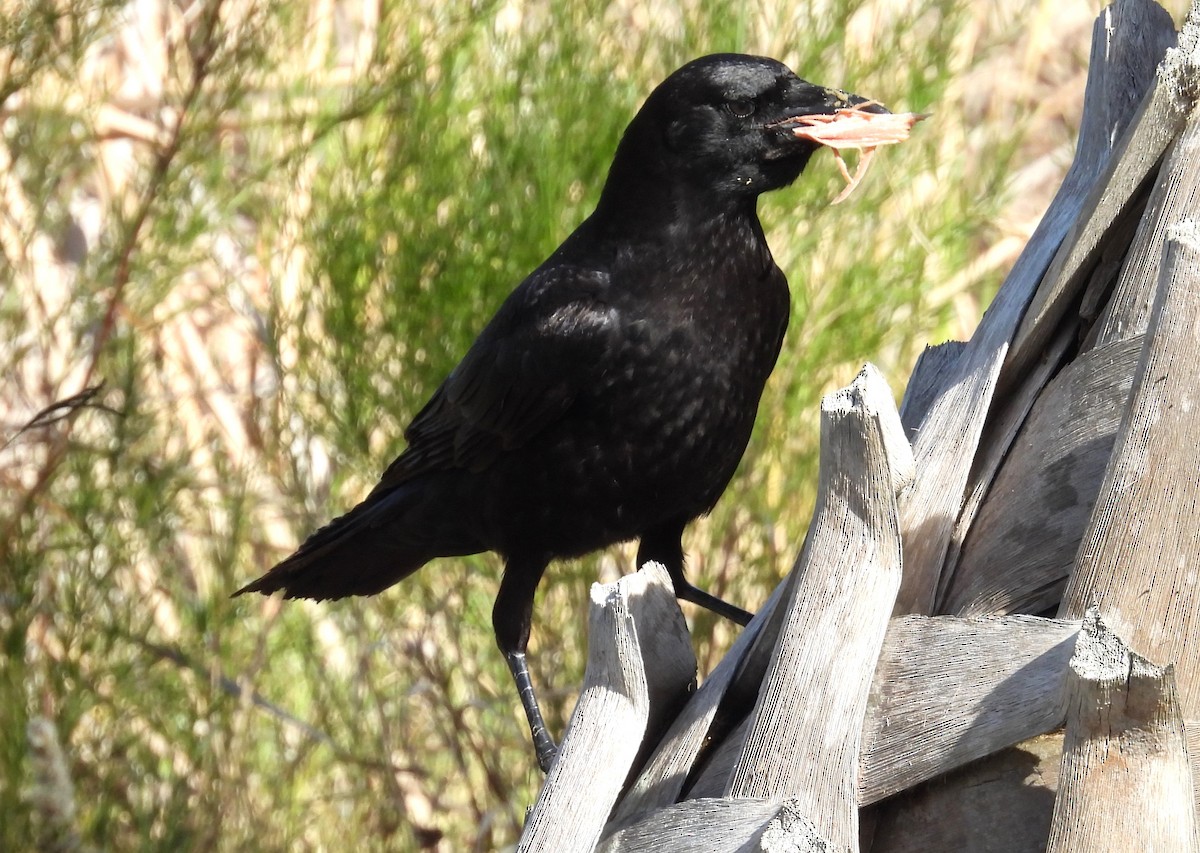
(373, 546)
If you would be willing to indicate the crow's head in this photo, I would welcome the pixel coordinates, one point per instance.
(721, 124)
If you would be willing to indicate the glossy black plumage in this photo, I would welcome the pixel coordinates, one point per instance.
(613, 393)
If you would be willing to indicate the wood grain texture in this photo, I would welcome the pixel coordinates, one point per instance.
(1125, 784)
(713, 777)
(1021, 547)
(926, 383)
(1090, 256)
(1017, 557)
(662, 779)
(637, 638)
(1175, 197)
(1127, 80)
(735, 683)
(1140, 555)
(999, 804)
(946, 444)
(732, 825)
(1008, 415)
(945, 692)
(948, 691)
(803, 737)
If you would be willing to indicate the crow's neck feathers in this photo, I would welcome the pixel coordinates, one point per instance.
(646, 202)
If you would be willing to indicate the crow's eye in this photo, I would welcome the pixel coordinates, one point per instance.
(741, 108)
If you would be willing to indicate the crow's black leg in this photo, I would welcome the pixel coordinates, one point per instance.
(664, 545)
(511, 618)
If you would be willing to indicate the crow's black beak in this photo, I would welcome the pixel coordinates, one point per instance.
(848, 100)
(820, 101)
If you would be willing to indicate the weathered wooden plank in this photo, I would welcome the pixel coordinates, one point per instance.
(662, 779)
(713, 777)
(948, 691)
(1145, 34)
(927, 382)
(1008, 414)
(1038, 535)
(733, 825)
(1088, 254)
(1141, 552)
(1000, 804)
(946, 443)
(1176, 197)
(1020, 549)
(1125, 783)
(804, 733)
(639, 660)
(1117, 255)
(734, 684)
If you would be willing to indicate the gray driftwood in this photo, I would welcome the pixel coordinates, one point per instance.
(803, 737)
(1174, 198)
(724, 825)
(1146, 35)
(948, 691)
(741, 672)
(1136, 34)
(1021, 545)
(662, 779)
(1002, 804)
(926, 382)
(1141, 552)
(945, 446)
(1125, 783)
(945, 692)
(640, 661)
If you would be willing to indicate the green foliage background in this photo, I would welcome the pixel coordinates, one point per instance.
(271, 229)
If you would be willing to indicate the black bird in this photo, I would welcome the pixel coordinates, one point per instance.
(613, 394)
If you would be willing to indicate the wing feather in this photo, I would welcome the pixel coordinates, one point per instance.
(546, 345)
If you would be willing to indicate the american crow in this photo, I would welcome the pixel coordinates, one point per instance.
(613, 394)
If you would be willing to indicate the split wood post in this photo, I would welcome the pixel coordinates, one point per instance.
(1153, 129)
(948, 691)
(640, 661)
(948, 439)
(1015, 553)
(1125, 784)
(726, 825)
(662, 779)
(1001, 805)
(1140, 555)
(1021, 545)
(1173, 199)
(1136, 35)
(803, 737)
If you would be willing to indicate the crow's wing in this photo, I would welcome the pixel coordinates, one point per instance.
(548, 342)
